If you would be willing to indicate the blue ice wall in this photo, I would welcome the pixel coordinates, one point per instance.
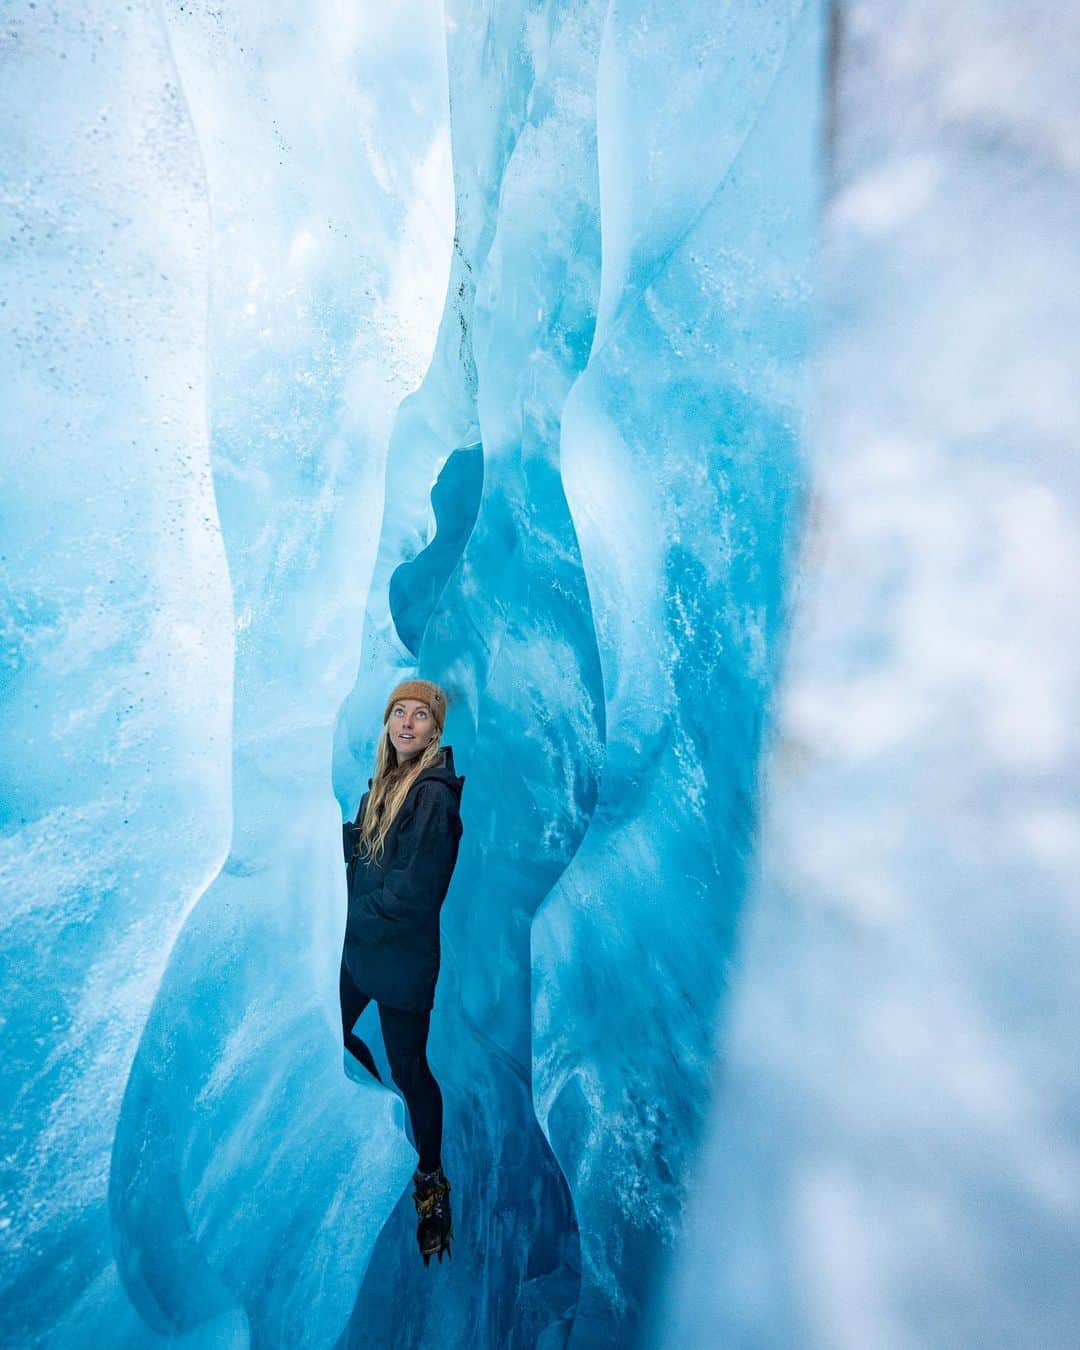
(115, 709)
(677, 467)
(195, 281)
(249, 1178)
(680, 459)
(492, 602)
(528, 426)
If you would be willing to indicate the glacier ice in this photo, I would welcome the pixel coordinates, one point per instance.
(182, 1128)
(679, 456)
(242, 1190)
(347, 342)
(407, 496)
(249, 1180)
(116, 699)
(894, 1154)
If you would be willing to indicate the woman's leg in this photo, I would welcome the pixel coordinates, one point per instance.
(353, 1003)
(405, 1036)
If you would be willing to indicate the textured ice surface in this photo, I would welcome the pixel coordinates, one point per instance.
(301, 157)
(248, 1174)
(494, 605)
(115, 712)
(529, 428)
(895, 1156)
(679, 460)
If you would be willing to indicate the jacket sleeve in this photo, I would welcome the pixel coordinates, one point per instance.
(412, 890)
(348, 839)
(350, 830)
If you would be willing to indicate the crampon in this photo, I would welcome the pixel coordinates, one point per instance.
(434, 1228)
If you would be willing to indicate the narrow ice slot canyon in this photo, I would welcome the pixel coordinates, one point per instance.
(586, 358)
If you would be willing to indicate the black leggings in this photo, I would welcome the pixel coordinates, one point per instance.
(405, 1038)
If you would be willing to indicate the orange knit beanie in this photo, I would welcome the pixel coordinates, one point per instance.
(424, 691)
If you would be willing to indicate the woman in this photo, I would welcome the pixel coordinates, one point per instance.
(400, 853)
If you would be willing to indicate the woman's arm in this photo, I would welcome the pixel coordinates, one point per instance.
(350, 829)
(413, 889)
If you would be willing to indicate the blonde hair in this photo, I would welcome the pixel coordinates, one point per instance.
(389, 788)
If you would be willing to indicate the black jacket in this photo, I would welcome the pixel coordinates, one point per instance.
(392, 946)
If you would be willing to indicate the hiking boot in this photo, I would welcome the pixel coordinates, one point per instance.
(435, 1228)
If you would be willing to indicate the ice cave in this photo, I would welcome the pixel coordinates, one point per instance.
(690, 389)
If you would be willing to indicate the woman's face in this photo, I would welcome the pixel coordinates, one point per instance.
(411, 728)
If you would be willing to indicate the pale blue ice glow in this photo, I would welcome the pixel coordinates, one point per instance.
(894, 1155)
(346, 342)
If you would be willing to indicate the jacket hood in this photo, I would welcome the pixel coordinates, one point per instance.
(444, 771)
